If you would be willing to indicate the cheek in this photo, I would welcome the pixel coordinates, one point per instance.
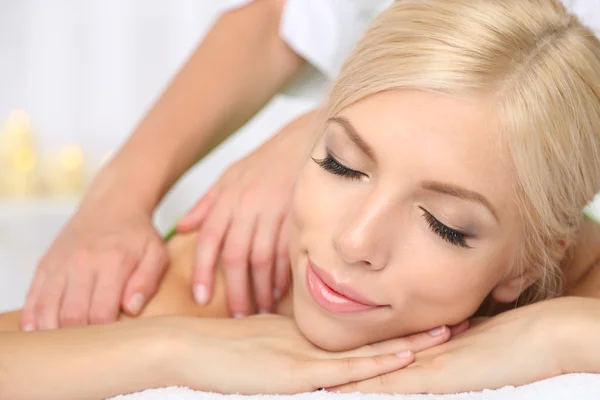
(442, 285)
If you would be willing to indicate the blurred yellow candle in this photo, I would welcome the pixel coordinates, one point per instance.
(18, 158)
(64, 171)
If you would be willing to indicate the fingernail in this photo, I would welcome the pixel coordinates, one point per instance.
(276, 294)
(437, 331)
(28, 328)
(404, 354)
(136, 303)
(264, 311)
(200, 294)
(238, 315)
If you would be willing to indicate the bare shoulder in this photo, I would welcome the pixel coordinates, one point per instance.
(10, 321)
(174, 296)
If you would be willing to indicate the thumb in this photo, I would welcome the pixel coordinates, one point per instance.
(194, 218)
(143, 282)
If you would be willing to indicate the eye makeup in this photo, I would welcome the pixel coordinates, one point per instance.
(335, 167)
(448, 234)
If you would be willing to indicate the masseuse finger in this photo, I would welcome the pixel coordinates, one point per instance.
(48, 303)
(416, 343)
(194, 218)
(108, 290)
(328, 373)
(234, 258)
(143, 282)
(76, 299)
(208, 245)
(262, 260)
(283, 269)
(28, 322)
(460, 328)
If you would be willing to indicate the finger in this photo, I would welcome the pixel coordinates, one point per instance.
(28, 320)
(262, 260)
(331, 373)
(283, 268)
(108, 289)
(76, 298)
(194, 218)
(417, 380)
(235, 255)
(414, 343)
(47, 305)
(143, 282)
(460, 328)
(209, 241)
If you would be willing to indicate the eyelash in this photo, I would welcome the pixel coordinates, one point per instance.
(448, 234)
(330, 164)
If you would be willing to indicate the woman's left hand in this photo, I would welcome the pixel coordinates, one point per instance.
(517, 347)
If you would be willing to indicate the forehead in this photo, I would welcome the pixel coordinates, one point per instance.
(431, 136)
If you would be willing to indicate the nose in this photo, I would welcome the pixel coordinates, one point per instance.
(366, 239)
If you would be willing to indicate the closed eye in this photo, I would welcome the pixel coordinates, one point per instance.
(450, 235)
(332, 165)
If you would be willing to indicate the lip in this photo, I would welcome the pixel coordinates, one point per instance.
(332, 296)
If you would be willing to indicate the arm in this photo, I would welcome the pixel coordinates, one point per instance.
(217, 355)
(517, 347)
(88, 363)
(238, 67)
(111, 242)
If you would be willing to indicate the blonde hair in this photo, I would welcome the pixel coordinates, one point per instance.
(541, 67)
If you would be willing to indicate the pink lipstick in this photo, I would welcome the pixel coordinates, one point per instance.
(334, 297)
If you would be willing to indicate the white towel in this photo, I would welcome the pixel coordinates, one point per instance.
(565, 387)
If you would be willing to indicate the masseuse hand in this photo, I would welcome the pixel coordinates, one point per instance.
(244, 215)
(108, 255)
(517, 347)
(222, 355)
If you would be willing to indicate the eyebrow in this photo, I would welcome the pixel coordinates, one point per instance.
(354, 135)
(461, 193)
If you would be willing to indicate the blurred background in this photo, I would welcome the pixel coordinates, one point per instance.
(75, 78)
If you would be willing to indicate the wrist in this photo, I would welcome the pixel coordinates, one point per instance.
(188, 352)
(163, 347)
(116, 186)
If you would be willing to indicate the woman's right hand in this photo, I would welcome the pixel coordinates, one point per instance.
(267, 354)
(108, 256)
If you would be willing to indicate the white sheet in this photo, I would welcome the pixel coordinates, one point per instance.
(566, 387)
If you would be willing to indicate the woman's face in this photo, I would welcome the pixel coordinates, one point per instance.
(403, 220)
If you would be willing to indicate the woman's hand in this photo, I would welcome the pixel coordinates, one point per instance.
(269, 355)
(244, 215)
(108, 256)
(517, 347)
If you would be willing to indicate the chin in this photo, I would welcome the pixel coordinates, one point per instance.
(326, 333)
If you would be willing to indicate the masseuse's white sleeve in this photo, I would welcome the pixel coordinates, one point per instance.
(323, 32)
